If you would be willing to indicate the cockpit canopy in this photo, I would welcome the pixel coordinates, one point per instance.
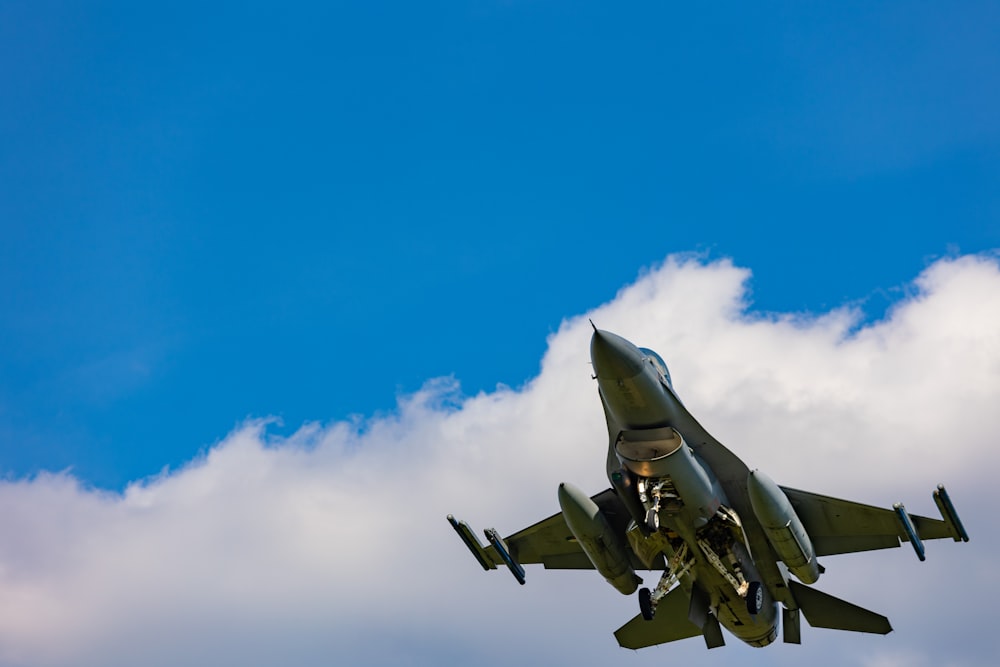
(658, 363)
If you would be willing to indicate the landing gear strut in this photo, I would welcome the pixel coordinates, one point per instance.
(752, 592)
(653, 494)
(678, 566)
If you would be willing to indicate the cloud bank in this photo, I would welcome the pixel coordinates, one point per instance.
(330, 546)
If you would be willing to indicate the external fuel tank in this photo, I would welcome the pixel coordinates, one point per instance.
(605, 549)
(782, 526)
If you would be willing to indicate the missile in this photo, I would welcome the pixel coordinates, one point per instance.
(782, 526)
(605, 549)
(906, 523)
(949, 514)
(472, 542)
(501, 548)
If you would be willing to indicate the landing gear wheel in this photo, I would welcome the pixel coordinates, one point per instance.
(653, 520)
(646, 604)
(755, 598)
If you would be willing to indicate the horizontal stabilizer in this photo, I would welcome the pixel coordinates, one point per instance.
(668, 625)
(825, 611)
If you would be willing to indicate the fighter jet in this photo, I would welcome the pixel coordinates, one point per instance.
(734, 548)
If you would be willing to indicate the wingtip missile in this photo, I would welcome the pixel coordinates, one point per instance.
(472, 542)
(948, 513)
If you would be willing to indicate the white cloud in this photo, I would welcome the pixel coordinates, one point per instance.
(331, 546)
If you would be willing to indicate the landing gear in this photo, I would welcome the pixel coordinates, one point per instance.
(752, 592)
(755, 598)
(656, 495)
(646, 604)
(738, 583)
(677, 567)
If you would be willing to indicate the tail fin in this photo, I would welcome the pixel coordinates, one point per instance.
(825, 611)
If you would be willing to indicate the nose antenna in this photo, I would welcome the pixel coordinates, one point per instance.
(593, 376)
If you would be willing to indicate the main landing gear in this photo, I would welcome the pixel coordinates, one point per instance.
(681, 563)
(646, 607)
(755, 597)
(678, 566)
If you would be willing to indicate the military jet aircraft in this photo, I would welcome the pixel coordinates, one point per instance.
(727, 538)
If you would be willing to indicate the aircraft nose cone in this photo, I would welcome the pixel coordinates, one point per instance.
(613, 356)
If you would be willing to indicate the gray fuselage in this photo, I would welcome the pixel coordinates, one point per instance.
(695, 510)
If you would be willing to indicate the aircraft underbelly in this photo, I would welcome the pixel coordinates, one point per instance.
(725, 603)
(731, 610)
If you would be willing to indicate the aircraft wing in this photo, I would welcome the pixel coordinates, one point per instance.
(551, 543)
(841, 526)
(548, 542)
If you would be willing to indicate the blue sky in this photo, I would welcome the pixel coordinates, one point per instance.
(210, 214)
(207, 210)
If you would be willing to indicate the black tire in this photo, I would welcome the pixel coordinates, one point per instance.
(646, 604)
(755, 598)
